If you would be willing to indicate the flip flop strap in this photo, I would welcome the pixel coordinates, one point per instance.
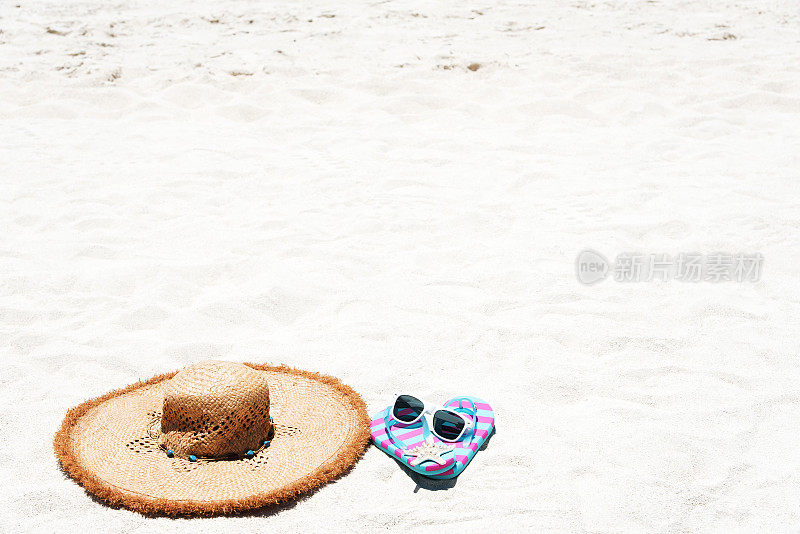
(472, 412)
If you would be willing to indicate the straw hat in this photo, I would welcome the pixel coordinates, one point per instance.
(214, 438)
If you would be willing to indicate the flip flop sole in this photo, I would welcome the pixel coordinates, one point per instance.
(411, 436)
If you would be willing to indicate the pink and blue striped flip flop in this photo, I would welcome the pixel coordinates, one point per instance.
(399, 440)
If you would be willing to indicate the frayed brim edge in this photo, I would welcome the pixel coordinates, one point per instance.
(344, 459)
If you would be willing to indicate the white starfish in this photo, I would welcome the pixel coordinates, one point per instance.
(428, 451)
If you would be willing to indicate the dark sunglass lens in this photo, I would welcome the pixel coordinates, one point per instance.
(447, 425)
(407, 408)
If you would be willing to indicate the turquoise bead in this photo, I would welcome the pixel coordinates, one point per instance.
(170, 453)
(271, 419)
(250, 454)
(192, 458)
(266, 443)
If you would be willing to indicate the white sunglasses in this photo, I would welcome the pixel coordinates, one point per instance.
(448, 424)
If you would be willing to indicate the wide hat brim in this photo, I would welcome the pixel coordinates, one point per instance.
(107, 445)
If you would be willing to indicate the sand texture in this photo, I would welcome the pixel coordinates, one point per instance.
(394, 193)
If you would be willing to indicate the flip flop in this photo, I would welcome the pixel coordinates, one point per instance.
(403, 441)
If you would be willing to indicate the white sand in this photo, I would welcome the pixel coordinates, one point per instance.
(328, 186)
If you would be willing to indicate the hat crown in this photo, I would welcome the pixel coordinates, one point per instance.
(215, 409)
